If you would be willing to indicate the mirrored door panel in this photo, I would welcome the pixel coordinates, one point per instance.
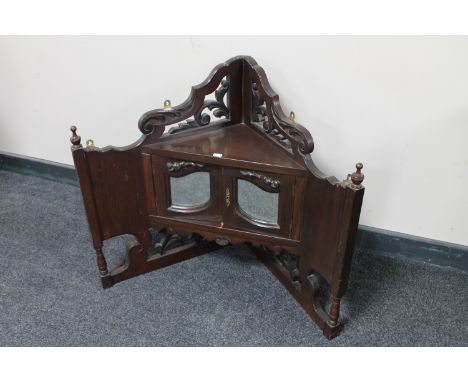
(186, 189)
(192, 190)
(259, 201)
(257, 204)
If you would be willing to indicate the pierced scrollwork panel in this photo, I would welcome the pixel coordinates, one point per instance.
(277, 134)
(286, 133)
(162, 117)
(259, 113)
(218, 108)
(164, 242)
(288, 263)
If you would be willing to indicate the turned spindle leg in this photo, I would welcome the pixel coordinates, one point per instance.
(101, 262)
(334, 311)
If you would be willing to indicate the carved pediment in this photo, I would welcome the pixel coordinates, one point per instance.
(285, 131)
(229, 82)
(218, 108)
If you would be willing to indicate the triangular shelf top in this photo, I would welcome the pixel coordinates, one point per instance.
(239, 145)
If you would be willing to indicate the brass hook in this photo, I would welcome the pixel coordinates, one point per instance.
(292, 116)
(167, 104)
(228, 197)
(90, 144)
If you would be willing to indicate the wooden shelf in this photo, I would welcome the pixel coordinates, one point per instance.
(220, 230)
(240, 145)
(231, 126)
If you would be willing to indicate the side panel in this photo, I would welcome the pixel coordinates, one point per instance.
(114, 192)
(330, 220)
(346, 240)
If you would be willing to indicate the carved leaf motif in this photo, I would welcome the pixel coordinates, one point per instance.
(291, 265)
(222, 241)
(258, 108)
(162, 117)
(162, 241)
(286, 133)
(177, 166)
(218, 108)
(288, 263)
(271, 183)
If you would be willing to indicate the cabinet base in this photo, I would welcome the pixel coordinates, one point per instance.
(306, 295)
(138, 263)
(174, 248)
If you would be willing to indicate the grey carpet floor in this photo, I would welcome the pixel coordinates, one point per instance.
(50, 294)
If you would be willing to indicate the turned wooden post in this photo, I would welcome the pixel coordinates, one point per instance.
(101, 263)
(89, 203)
(334, 311)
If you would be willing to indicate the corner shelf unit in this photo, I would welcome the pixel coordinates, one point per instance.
(229, 170)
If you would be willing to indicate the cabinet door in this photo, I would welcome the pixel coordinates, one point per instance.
(258, 201)
(187, 189)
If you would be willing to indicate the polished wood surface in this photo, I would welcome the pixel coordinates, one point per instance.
(241, 146)
(232, 127)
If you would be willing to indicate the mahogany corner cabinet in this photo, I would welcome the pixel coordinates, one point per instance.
(225, 169)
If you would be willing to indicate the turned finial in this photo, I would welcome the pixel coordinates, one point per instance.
(75, 139)
(357, 177)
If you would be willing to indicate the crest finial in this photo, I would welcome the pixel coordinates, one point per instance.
(357, 177)
(75, 139)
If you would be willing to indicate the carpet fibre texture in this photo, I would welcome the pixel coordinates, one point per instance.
(50, 293)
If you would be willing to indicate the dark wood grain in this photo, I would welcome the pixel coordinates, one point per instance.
(247, 136)
(239, 145)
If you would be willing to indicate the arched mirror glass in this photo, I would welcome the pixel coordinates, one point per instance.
(256, 203)
(190, 190)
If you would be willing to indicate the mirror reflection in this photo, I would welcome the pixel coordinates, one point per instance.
(257, 203)
(190, 190)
